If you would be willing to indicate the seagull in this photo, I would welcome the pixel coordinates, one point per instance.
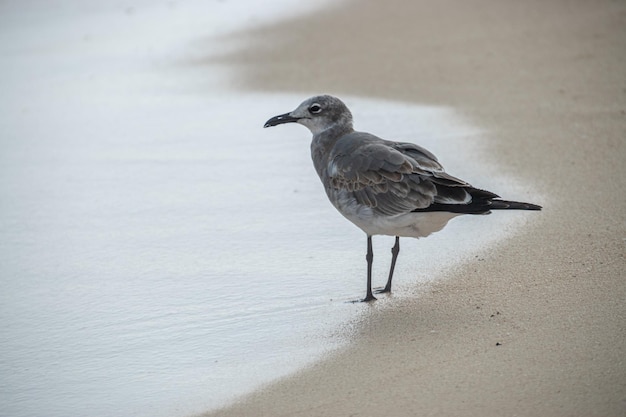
(384, 187)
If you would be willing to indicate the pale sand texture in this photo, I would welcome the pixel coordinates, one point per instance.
(547, 79)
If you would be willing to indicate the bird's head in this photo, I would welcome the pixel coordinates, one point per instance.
(318, 113)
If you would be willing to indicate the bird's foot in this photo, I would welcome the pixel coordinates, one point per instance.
(382, 290)
(368, 298)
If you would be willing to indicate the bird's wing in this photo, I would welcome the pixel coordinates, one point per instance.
(392, 178)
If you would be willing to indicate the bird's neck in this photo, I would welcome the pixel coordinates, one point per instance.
(323, 144)
(335, 131)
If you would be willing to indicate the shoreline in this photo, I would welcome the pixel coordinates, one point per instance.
(537, 328)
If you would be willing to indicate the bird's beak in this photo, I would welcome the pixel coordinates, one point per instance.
(280, 119)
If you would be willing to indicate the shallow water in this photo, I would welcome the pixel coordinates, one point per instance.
(160, 252)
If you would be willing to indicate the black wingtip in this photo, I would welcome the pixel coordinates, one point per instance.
(480, 206)
(514, 205)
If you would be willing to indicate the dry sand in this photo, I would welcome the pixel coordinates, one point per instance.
(547, 80)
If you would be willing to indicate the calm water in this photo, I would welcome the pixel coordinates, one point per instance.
(160, 252)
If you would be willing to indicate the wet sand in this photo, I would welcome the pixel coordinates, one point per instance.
(538, 327)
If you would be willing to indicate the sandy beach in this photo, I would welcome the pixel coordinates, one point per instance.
(537, 328)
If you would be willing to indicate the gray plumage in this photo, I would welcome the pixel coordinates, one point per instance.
(384, 187)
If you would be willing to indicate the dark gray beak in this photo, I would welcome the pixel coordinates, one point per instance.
(279, 120)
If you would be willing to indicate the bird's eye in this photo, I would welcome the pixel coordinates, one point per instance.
(315, 108)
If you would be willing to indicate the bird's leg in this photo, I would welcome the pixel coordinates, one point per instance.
(394, 255)
(370, 258)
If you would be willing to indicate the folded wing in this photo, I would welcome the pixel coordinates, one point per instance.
(396, 178)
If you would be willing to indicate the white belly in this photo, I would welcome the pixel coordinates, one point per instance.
(405, 225)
